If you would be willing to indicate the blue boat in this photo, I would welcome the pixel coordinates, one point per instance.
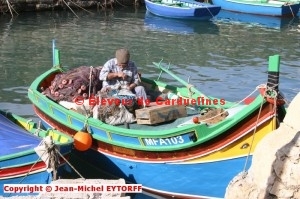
(278, 8)
(19, 161)
(183, 9)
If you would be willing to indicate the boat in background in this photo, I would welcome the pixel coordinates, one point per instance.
(182, 9)
(259, 20)
(277, 8)
(190, 150)
(177, 26)
(21, 142)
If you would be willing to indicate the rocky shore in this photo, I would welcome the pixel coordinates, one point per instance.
(16, 6)
(275, 168)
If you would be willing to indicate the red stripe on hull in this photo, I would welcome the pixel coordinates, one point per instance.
(237, 132)
(22, 170)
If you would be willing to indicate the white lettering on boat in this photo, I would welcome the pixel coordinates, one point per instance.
(164, 141)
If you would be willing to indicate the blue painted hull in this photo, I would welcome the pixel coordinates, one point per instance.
(30, 158)
(199, 180)
(259, 8)
(19, 162)
(205, 12)
(203, 180)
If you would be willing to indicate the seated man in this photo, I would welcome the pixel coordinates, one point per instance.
(121, 73)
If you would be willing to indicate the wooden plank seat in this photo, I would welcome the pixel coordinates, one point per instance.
(154, 114)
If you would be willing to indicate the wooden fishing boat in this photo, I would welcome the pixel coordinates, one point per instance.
(21, 139)
(173, 150)
(183, 9)
(278, 8)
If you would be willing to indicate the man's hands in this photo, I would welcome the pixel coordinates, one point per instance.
(121, 75)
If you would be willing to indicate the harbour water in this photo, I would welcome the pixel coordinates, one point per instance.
(225, 58)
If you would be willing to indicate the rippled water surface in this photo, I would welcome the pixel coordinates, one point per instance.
(226, 57)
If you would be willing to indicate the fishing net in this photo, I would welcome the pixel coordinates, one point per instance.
(112, 109)
(74, 83)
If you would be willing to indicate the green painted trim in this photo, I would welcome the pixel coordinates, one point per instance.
(274, 63)
(56, 58)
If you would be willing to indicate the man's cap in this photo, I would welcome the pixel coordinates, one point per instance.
(122, 56)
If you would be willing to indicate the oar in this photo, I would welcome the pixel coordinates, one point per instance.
(189, 86)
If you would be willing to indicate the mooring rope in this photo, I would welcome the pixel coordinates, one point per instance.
(291, 10)
(40, 157)
(54, 161)
(69, 163)
(70, 8)
(257, 120)
(80, 7)
(253, 135)
(10, 7)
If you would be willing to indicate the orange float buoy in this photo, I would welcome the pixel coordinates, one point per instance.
(196, 120)
(82, 141)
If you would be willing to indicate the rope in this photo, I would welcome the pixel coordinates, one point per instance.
(33, 164)
(10, 7)
(80, 7)
(68, 163)
(54, 162)
(255, 129)
(70, 9)
(30, 170)
(254, 132)
(210, 12)
(291, 10)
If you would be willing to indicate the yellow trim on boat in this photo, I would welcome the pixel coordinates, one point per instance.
(239, 147)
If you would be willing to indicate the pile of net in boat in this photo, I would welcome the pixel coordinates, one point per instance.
(82, 81)
(114, 113)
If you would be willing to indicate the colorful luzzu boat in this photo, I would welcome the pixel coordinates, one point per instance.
(22, 152)
(181, 158)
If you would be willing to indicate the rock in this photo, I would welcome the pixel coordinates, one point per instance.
(275, 169)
